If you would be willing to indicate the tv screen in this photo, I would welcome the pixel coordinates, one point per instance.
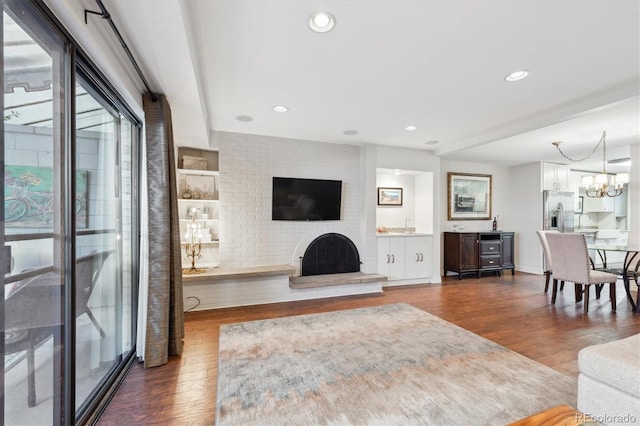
(306, 199)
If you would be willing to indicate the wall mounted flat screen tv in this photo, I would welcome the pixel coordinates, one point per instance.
(306, 199)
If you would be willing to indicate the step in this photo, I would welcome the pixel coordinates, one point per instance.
(312, 281)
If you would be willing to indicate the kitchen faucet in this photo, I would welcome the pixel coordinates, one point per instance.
(580, 217)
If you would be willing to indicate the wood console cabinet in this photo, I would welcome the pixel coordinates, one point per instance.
(478, 252)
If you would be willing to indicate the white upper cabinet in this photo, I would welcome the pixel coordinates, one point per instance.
(556, 177)
(598, 205)
(620, 203)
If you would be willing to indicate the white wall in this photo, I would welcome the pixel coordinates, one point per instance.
(500, 187)
(395, 216)
(516, 201)
(248, 236)
(417, 205)
(633, 240)
(425, 200)
(525, 212)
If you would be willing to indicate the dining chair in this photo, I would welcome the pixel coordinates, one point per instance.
(632, 272)
(31, 318)
(88, 269)
(33, 310)
(548, 270)
(571, 263)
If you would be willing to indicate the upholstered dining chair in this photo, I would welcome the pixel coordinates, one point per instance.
(571, 263)
(548, 270)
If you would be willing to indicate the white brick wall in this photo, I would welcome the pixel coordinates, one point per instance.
(248, 236)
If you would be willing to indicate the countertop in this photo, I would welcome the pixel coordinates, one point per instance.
(402, 234)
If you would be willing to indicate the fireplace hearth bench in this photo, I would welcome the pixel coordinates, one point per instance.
(312, 281)
(228, 287)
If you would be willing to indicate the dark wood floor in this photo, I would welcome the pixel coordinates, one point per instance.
(510, 310)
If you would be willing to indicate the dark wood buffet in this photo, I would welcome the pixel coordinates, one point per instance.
(478, 252)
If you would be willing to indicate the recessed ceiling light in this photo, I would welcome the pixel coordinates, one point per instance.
(322, 22)
(244, 118)
(280, 108)
(411, 128)
(517, 75)
(432, 143)
(350, 132)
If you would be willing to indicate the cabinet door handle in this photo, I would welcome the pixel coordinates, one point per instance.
(393, 258)
(417, 257)
(421, 257)
(388, 258)
(491, 261)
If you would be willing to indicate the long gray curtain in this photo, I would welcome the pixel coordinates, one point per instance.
(165, 313)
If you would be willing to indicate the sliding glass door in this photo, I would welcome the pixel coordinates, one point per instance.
(34, 229)
(69, 226)
(104, 213)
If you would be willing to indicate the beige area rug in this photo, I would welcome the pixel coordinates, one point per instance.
(386, 365)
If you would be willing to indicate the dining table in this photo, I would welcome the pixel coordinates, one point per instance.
(630, 267)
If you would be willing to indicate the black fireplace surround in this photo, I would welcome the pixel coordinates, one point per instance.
(330, 254)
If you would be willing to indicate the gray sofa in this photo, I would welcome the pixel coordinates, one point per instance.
(609, 381)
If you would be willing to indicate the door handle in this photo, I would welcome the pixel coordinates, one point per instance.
(388, 258)
(5, 252)
(417, 257)
(393, 259)
(421, 257)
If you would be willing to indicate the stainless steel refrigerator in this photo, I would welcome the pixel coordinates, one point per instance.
(558, 210)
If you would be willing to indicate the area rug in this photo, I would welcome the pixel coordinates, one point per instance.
(385, 365)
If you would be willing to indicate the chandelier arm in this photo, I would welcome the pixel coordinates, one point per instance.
(557, 145)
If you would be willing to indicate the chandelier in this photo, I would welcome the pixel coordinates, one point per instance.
(602, 185)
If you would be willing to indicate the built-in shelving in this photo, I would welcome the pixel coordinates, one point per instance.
(198, 195)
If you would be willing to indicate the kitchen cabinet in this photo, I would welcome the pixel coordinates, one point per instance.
(556, 177)
(403, 258)
(390, 257)
(598, 205)
(417, 265)
(620, 203)
(477, 252)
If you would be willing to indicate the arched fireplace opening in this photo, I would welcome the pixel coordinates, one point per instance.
(330, 254)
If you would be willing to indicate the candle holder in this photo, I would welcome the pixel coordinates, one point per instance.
(193, 244)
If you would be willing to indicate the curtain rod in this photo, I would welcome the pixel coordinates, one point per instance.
(104, 13)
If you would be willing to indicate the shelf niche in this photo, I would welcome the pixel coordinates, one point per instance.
(210, 156)
(202, 187)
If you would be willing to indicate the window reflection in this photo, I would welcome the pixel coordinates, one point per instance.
(34, 287)
(34, 184)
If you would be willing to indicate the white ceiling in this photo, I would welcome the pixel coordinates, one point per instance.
(439, 65)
